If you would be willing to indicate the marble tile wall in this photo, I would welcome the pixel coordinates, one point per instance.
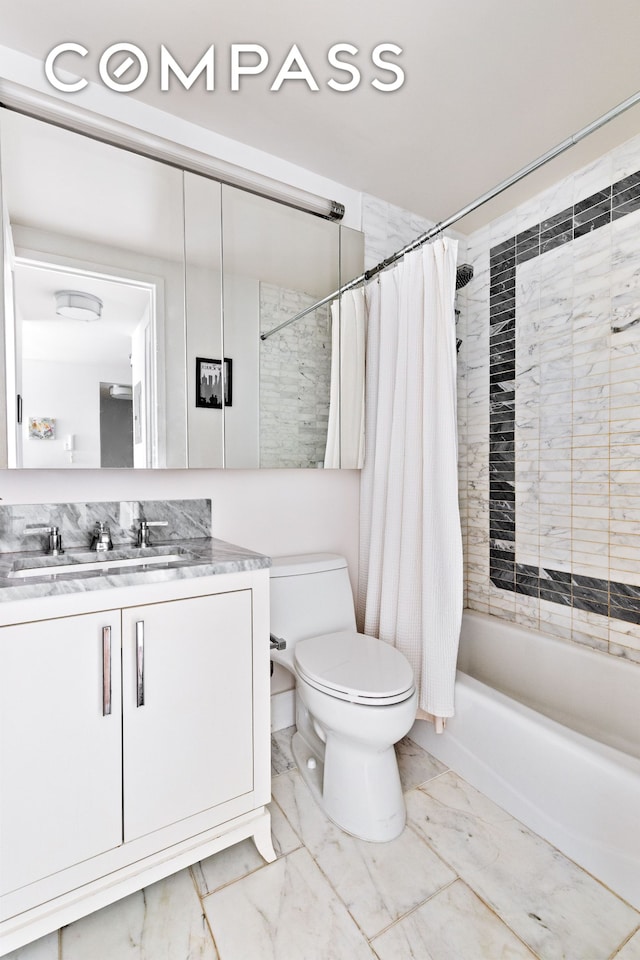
(295, 380)
(185, 519)
(550, 434)
(388, 228)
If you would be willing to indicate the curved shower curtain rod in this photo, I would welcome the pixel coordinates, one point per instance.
(433, 232)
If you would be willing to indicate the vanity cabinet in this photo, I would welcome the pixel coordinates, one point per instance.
(133, 741)
(188, 747)
(60, 752)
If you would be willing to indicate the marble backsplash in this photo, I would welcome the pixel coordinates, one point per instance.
(186, 520)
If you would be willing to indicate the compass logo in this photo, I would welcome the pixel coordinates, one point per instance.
(124, 67)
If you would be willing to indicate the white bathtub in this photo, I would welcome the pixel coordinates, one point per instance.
(551, 732)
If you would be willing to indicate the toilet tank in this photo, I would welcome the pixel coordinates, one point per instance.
(310, 595)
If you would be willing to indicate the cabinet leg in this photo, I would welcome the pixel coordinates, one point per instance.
(262, 838)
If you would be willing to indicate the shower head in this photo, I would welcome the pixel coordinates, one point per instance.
(464, 273)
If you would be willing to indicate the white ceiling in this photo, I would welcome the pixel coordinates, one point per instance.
(491, 84)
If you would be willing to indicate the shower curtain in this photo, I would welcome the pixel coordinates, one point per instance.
(410, 582)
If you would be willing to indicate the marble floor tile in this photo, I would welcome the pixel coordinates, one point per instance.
(631, 949)
(415, 764)
(281, 755)
(287, 911)
(163, 922)
(46, 948)
(243, 858)
(378, 882)
(453, 925)
(559, 911)
(465, 881)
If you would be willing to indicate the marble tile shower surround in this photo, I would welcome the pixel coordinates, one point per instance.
(186, 520)
(549, 415)
(295, 380)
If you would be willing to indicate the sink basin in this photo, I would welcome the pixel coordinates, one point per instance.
(134, 559)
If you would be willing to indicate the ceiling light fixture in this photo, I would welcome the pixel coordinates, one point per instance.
(75, 305)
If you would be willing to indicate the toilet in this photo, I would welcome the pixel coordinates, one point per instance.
(355, 696)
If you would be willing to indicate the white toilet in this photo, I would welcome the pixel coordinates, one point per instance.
(355, 696)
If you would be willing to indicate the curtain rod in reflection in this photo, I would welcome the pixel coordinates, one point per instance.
(433, 232)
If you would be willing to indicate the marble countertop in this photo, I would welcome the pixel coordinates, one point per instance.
(200, 557)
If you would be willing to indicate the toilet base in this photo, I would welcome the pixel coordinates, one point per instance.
(312, 773)
(356, 785)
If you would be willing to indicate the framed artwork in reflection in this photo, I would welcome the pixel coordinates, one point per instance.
(212, 378)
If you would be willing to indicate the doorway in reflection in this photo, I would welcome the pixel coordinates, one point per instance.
(83, 363)
(116, 425)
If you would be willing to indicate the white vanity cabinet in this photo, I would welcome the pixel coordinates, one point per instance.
(188, 745)
(60, 746)
(134, 741)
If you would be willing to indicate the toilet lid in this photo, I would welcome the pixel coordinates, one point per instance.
(352, 666)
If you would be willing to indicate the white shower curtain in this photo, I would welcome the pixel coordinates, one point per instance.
(345, 433)
(410, 588)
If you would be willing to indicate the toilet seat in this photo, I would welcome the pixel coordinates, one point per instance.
(354, 667)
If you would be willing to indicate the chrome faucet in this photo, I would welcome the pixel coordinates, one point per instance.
(143, 531)
(101, 539)
(54, 540)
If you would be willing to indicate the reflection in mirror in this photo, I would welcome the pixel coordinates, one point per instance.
(277, 262)
(346, 430)
(116, 425)
(107, 226)
(204, 325)
(63, 358)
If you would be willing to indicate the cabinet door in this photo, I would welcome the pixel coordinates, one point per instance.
(187, 708)
(60, 747)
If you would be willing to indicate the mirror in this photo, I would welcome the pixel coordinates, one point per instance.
(127, 343)
(203, 249)
(94, 302)
(278, 261)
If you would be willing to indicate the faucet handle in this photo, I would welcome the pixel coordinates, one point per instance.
(101, 539)
(143, 530)
(54, 543)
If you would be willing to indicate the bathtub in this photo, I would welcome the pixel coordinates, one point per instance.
(551, 732)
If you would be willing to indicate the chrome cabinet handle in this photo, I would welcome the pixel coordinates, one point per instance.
(140, 663)
(106, 671)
